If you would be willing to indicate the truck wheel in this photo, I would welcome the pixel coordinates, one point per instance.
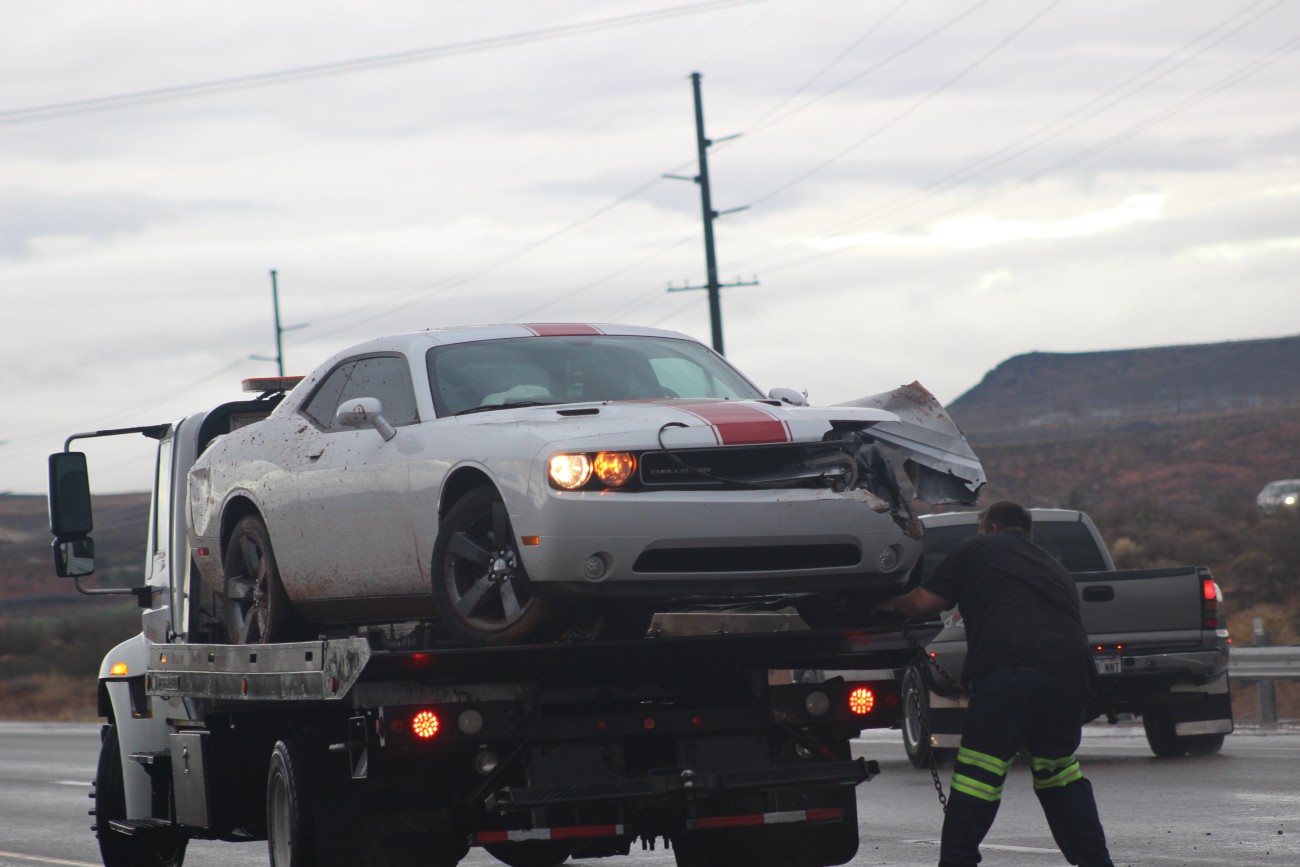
(289, 828)
(479, 583)
(109, 794)
(256, 610)
(916, 702)
(534, 853)
(1166, 744)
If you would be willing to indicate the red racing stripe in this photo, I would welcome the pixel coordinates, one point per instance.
(563, 329)
(739, 424)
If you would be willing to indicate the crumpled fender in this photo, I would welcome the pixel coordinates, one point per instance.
(940, 462)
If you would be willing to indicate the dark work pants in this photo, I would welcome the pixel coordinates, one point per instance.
(1010, 709)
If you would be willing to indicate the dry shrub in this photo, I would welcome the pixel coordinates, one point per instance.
(48, 697)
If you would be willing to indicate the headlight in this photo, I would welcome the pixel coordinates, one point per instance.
(570, 471)
(615, 468)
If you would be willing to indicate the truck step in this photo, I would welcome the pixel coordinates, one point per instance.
(136, 827)
(660, 785)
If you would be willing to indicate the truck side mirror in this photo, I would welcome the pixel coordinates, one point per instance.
(70, 515)
(364, 412)
(75, 558)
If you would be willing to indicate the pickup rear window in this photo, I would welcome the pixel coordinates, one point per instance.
(1068, 541)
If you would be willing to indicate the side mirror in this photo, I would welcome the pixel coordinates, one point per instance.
(364, 412)
(789, 396)
(70, 515)
(74, 559)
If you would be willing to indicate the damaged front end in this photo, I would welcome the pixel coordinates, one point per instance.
(853, 454)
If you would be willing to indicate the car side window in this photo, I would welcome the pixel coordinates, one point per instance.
(386, 377)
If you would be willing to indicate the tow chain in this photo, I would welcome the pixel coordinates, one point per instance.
(922, 716)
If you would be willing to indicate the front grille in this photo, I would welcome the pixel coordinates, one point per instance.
(751, 558)
(746, 465)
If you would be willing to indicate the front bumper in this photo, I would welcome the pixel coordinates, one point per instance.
(706, 543)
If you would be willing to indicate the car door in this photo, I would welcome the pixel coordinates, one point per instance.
(344, 520)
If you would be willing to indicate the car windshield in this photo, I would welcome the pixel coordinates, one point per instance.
(489, 374)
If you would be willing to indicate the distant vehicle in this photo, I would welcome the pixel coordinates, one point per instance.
(1279, 497)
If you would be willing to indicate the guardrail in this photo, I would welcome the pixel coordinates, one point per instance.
(1264, 663)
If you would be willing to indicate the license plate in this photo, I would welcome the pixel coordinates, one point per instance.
(1108, 663)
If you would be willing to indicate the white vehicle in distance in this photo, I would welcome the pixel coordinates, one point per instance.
(1280, 497)
(514, 481)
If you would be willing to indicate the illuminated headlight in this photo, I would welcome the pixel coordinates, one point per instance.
(570, 471)
(1289, 499)
(614, 468)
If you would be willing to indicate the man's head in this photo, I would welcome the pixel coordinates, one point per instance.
(1005, 516)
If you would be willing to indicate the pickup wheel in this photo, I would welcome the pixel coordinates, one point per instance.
(916, 704)
(155, 849)
(1166, 744)
(479, 582)
(256, 609)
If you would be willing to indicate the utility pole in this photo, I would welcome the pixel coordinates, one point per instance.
(279, 331)
(706, 206)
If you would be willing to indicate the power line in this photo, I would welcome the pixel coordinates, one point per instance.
(757, 123)
(73, 108)
(875, 67)
(1045, 133)
(898, 118)
(1254, 66)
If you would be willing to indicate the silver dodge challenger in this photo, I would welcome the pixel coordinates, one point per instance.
(515, 483)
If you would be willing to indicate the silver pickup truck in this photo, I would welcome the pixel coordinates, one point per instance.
(1158, 636)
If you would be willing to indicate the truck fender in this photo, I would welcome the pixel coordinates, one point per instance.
(141, 720)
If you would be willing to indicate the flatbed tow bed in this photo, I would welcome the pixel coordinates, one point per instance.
(537, 752)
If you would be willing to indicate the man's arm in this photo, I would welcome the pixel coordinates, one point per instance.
(917, 604)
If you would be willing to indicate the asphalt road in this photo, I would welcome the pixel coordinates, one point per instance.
(1241, 807)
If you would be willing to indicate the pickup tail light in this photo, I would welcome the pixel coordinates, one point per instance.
(1210, 604)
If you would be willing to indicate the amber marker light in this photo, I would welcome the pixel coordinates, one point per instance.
(424, 724)
(861, 701)
(614, 468)
(118, 670)
(570, 471)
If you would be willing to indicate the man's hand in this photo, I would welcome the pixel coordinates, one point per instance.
(918, 604)
(884, 613)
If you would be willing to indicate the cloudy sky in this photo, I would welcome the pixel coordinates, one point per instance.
(932, 187)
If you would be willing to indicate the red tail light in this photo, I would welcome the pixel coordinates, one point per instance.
(862, 701)
(425, 724)
(1209, 604)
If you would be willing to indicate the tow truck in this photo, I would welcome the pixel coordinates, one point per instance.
(385, 745)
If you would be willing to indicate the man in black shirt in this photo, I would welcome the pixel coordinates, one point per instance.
(1029, 674)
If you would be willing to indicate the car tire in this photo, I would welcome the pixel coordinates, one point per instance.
(255, 608)
(916, 702)
(479, 584)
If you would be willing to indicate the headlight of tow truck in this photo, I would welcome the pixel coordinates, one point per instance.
(573, 471)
